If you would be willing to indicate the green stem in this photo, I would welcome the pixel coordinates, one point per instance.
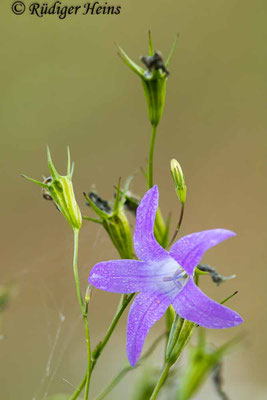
(84, 311)
(180, 334)
(127, 369)
(114, 382)
(75, 270)
(100, 347)
(178, 225)
(79, 389)
(88, 374)
(151, 156)
(161, 380)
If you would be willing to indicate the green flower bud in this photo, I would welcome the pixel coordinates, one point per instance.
(60, 189)
(114, 220)
(179, 180)
(88, 294)
(153, 78)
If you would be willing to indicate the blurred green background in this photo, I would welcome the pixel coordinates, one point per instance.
(62, 83)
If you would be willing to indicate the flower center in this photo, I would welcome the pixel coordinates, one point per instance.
(179, 278)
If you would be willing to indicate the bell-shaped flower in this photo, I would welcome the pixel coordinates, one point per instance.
(162, 278)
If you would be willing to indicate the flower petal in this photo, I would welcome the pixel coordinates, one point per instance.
(189, 250)
(192, 304)
(129, 276)
(145, 244)
(146, 309)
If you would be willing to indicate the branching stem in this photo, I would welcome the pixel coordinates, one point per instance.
(125, 300)
(127, 369)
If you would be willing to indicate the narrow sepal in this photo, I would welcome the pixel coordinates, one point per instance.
(130, 63)
(51, 166)
(69, 163)
(100, 213)
(172, 50)
(150, 46)
(192, 304)
(34, 181)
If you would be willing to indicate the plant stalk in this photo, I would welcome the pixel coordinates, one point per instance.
(161, 380)
(178, 225)
(100, 347)
(84, 311)
(125, 300)
(127, 369)
(151, 156)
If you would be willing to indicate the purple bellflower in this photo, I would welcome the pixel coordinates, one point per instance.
(162, 278)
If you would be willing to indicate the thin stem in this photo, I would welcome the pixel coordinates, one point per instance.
(151, 156)
(127, 369)
(84, 311)
(88, 374)
(161, 380)
(114, 383)
(178, 225)
(100, 347)
(79, 389)
(75, 270)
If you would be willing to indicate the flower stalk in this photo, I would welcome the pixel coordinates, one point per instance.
(128, 368)
(162, 379)
(154, 79)
(101, 345)
(151, 156)
(59, 188)
(181, 189)
(180, 334)
(84, 312)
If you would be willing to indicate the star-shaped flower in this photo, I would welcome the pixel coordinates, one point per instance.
(162, 278)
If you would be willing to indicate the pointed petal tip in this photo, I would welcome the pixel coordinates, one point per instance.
(238, 320)
(132, 359)
(227, 231)
(154, 190)
(192, 304)
(189, 250)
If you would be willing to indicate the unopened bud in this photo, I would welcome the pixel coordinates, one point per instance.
(179, 180)
(88, 294)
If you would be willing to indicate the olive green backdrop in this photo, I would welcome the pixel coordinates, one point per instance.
(62, 83)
